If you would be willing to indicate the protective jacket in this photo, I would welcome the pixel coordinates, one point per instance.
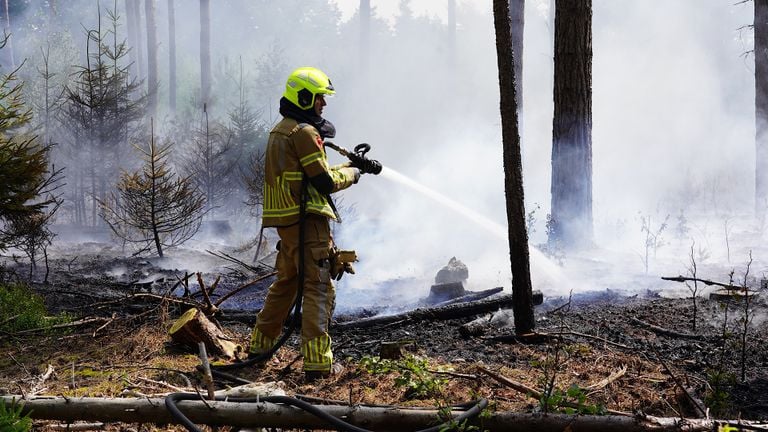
(295, 150)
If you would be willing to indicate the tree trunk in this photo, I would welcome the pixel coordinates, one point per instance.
(171, 57)
(572, 125)
(131, 20)
(205, 51)
(517, 21)
(271, 415)
(761, 107)
(139, 39)
(513, 173)
(152, 80)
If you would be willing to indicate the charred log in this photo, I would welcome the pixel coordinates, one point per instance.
(452, 311)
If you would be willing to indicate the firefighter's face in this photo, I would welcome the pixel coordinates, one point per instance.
(319, 104)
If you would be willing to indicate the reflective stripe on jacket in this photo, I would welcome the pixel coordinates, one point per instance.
(294, 149)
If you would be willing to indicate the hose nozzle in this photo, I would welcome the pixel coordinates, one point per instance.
(358, 159)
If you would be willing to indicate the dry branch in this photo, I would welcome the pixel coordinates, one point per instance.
(605, 381)
(152, 410)
(683, 279)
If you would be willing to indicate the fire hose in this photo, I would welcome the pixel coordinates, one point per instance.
(475, 408)
(357, 159)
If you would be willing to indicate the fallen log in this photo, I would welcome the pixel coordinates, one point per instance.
(384, 419)
(667, 332)
(461, 310)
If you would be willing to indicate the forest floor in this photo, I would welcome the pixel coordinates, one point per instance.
(126, 351)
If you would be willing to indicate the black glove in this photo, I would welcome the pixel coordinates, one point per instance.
(365, 165)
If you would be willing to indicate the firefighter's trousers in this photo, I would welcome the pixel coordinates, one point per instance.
(319, 294)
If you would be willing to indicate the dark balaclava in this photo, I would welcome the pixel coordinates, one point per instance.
(288, 109)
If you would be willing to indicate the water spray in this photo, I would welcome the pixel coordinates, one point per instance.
(538, 260)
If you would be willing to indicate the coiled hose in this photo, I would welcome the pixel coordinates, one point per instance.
(170, 402)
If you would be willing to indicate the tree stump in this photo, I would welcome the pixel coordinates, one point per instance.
(193, 327)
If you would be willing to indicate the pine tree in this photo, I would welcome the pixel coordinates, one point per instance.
(153, 206)
(101, 111)
(27, 183)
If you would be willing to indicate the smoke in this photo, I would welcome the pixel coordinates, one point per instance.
(673, 131)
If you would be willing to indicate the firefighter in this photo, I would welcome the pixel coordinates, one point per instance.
(296, 168)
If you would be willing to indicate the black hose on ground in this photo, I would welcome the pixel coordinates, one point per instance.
(171, 400)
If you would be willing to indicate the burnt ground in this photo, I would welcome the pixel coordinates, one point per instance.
(126, 351)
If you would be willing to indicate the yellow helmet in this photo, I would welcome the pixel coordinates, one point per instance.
(304, 83)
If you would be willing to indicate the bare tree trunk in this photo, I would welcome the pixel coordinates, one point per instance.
(365, 36)
(205, 51)
(139, 39)
(131, 19)
(522, 291)
(171, 57)
(152, 80)
(572, 125)
(275, 415)
(517, 19)
(761, 107)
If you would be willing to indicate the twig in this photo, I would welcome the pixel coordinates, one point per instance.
(19, 364)
(208, 377)
(76, 426)
(677, 382)
(604, 382)
(234, 260)
(204, 291)
(114, 315)
(62, 326)
(244, 286)
(38, 387)
(454, 374)
(535, 394)
(162, 383)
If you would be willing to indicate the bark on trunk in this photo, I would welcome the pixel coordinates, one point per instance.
(761, 107)
(572, 125)
(194, 327)
(205, 51)
(269, 415)
(152, 80)
(513, 173)
(171, 56)
(517, 21)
